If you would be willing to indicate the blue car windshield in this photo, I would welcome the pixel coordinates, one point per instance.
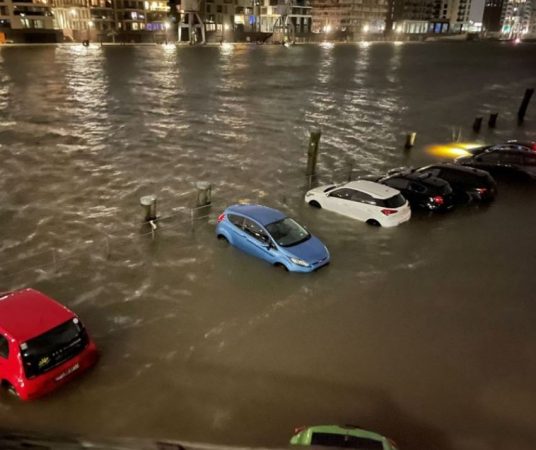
(287, 232)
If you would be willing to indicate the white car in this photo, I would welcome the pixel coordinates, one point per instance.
(373, 203)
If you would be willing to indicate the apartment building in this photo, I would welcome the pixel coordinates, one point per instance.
(349, 16)
(518, 18)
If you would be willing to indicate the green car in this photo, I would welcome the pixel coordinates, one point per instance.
(346, 436)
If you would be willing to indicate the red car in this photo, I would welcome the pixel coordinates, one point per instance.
(43, 344)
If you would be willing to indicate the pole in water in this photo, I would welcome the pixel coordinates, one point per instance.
(477, 124)
(524, 105)
(410, 140)
(204, 194)
(149, 204)
(456, 134)
(492, 122)
(312, 152)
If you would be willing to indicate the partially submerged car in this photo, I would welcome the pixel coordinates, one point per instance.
(469, 184)
(346, 436)
(370, 202)
(501, 160)
(270, 235)
(423, 191)
(43, 345)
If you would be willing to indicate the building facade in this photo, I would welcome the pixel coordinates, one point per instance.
(491, 20)
(353, 17)
(517, 18)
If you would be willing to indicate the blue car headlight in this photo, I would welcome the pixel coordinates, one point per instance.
(299, 262)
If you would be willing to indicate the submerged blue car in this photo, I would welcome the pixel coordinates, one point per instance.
(270, 235)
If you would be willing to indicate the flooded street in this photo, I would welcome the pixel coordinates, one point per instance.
(424, 333)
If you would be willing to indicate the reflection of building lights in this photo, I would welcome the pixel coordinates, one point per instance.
(327, 29)
(517, 41)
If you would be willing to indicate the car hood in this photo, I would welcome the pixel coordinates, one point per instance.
(311, 250)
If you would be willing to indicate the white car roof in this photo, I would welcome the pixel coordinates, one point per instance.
(377, 190)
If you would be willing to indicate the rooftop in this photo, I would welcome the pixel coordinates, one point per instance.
(27, 313)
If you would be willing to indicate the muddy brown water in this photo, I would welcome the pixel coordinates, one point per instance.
(424, 333)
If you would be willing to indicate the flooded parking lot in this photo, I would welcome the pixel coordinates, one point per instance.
(423, 332)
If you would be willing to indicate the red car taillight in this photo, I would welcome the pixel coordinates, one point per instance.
(388, 212)
(438, 200)
(221, 217)
(481, 190)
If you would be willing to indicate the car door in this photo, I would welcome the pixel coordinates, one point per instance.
(339, 201)
(363, 206)
(238, 234)
(529, 164)
(257, 241)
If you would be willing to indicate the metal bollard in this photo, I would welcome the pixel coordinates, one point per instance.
(149, 203)
(410, 140)
(312, 152)
(492, 122)
(524, 105)
(204, 194)
(477, 124)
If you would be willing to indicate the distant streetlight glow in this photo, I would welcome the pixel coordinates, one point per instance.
(167, 24)
(366, 29)
(452, 150)
(327, 29)
(226, 27)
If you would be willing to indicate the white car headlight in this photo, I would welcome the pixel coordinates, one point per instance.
(299, 262)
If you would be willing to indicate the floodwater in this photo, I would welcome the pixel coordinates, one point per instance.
(424, 333)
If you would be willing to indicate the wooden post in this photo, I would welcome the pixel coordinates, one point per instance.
(312, 152)
(524, 105)
(410, 140)
(492, 122)
(477, 124)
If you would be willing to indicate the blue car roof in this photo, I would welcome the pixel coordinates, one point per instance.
(259, 213)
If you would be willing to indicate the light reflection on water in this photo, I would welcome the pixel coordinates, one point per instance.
(407, 332)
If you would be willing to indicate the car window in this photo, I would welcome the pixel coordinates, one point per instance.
(511, 158)
(491, 157)
(432, 171)
(345, 441)
(417, 187)
(396, 201)
(4, 347)
(455, 176)
(343, 193)
(236, 220)
(397, 183)
(255, 230)
(362, 197)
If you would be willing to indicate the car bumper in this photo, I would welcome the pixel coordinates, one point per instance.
(310, 268)
(396, 219)
(69, 370)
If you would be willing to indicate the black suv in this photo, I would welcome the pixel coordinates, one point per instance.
(500, 160)
(422, 190)
(468, 183)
